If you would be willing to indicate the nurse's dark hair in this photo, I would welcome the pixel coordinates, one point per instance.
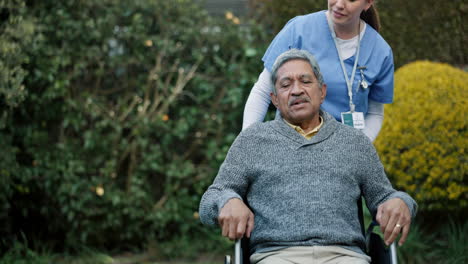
(371, 17)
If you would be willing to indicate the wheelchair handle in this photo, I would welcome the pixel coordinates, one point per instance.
(238, 252)
(393, 253)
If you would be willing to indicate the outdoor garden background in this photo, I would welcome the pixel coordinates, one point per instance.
(116, 114)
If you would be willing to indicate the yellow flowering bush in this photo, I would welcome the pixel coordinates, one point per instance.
(423, 138)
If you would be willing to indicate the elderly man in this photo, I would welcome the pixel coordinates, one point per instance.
(301, 176)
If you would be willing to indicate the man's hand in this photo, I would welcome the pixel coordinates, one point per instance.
(394, 218)
(236, 219)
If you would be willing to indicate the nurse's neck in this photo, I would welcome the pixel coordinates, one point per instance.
(347, 30)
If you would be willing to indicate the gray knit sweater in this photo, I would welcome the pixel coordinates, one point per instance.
(302, 192)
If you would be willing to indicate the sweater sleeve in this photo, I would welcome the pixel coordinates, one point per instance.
(231, 182)
(259, 99)
(375, 185)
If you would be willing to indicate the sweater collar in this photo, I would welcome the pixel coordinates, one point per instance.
(327, 129)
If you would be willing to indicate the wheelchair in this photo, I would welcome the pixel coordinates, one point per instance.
(375, 247)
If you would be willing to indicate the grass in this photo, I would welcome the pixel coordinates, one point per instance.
(20, 253)
(455, 244)
(446, 245)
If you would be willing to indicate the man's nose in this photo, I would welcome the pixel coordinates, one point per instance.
(297, 89)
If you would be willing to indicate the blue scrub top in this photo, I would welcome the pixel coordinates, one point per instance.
(311, 32)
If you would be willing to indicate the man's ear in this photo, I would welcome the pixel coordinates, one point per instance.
(324, 92)
(274, 99)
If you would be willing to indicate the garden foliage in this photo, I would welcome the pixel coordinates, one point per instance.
(15, 35)
(116, 114)
(128, 108)
(414, 30)
(423, 139)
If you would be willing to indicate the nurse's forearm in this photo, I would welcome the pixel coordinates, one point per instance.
(374, 120)
(259, 99)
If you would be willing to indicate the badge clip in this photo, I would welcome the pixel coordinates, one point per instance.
(363, 83)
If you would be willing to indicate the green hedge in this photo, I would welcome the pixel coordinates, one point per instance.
(416, 30)
(15, 36)
(129, 108)
(16, 32)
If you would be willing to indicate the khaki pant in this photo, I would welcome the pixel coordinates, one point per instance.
(310, 255)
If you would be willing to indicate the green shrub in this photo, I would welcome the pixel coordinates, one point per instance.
(452, 245)
(445, 244)
(423, 138)
(20, 254)
(275, 14)
(423, 36)
(130, 108)
(435, 36)
(15, 36)
(419, 247)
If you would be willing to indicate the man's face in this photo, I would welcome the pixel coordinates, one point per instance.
(298, 93)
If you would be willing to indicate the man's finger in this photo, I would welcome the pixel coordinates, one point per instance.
(393, 227)
(232, 229)
(378, 217)
(250, 225)
(404, 235)
(392, 234)
(222, 224)
(241, 227)
(382, 218)
(226, 230)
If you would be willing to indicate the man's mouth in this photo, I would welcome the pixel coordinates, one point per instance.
(298, 101)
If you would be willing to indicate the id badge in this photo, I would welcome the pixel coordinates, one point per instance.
(354, 119)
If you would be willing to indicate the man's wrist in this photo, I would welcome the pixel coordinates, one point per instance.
(225, 197)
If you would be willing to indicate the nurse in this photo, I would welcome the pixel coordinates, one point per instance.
(356, 63)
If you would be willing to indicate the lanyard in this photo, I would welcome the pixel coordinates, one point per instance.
(349, 82)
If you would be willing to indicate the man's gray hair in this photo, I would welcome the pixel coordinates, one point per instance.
(294, 54)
